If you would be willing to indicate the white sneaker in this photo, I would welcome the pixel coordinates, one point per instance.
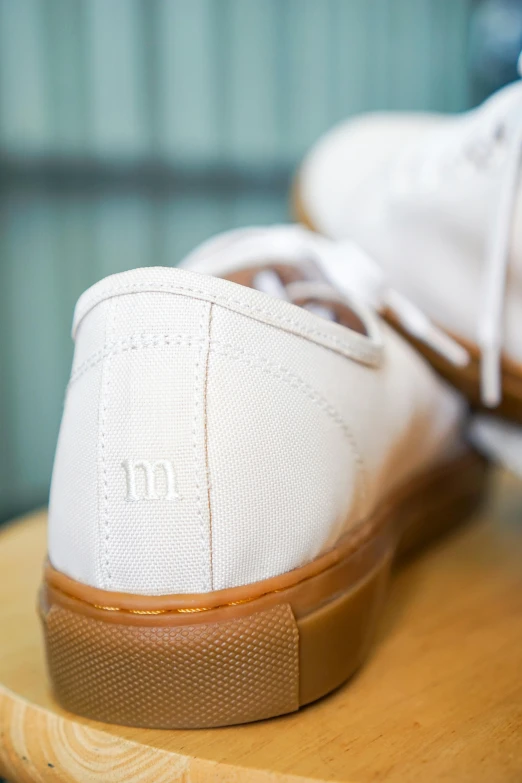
(233, 476)
(437, 201)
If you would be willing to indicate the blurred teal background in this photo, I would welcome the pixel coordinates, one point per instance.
(130, 130)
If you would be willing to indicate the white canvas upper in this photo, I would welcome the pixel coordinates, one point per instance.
(214, 435)
(436, 200)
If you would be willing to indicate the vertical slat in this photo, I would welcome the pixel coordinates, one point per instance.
(68, 102)
(116, 78)
(408, 66)
(7, 505)
(25, 117)
(250, 79)
(450, 50)
(379, 17)
(184, 73)
(258, 209)
(37, 374)
(351, 47)
(309, 79)
(122, 232)
(76, 261)
(188, 219)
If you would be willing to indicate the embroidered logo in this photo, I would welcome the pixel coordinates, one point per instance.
(150, 480)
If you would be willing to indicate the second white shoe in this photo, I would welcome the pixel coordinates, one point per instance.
(238, 463)
(437, 201)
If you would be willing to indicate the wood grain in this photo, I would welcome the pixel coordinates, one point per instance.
(440, 699)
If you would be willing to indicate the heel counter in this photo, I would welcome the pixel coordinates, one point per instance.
(129, 500)
(285, 473)
(73, 503)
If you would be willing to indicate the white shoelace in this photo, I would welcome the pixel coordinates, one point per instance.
(499, 440)
(490, 331)
(335, 271)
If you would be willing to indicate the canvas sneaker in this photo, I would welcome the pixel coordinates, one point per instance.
(244, 449)
(437, 201)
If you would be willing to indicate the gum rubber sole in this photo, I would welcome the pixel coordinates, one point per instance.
(465, 379)
(248, 653)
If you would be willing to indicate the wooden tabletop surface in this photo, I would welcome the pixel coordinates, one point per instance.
(439, 700)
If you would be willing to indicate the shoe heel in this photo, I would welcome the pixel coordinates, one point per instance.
(234, 664)
(249, 653)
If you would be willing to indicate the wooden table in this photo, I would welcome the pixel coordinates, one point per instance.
(440, 699)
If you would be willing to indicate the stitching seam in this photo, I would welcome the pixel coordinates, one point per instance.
(130, 343)
(198, 399)
(366, 353)
(207, 467)
(106, 382)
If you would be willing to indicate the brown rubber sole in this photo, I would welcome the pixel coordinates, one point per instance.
(465, 379)
(248, 653)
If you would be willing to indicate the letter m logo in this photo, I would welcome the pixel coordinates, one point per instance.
(150, 480)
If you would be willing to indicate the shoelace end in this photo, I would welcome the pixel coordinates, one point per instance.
(419, 325)
(490, 380)
(453, 351)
